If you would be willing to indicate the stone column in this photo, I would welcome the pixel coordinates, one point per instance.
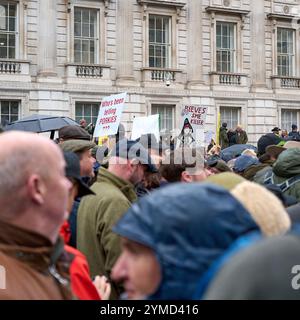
(47, 38)
(124, 41)
(258, 44)
(195, 46)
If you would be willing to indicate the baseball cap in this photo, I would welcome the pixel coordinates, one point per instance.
(73, 132)
(73, 171)
(77, 145)
(130, 149)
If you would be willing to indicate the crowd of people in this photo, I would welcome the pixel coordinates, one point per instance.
(136, 219)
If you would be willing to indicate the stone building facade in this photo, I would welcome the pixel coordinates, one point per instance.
(240, 58)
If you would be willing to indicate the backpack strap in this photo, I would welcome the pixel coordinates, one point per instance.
(269, 177)
(284, 186)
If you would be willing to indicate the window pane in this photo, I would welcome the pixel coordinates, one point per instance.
(95, 110)
(78, 110)
(11, 53)
(77, 56)
(85, 45)
(4, 120)
(3, 40)
(85, 57)
(77, 15)
(4, 107)
(11, 40)
(77, 29)
(3, 52)
(85, 30)
(12, 24)
(85, 15)
(14, 107)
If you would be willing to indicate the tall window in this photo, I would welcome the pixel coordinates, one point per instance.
(8, 27)
(231, 116)
(9, 111)
(226, 47)
(166, 116)
(288, 118)
(87, 111)
(85, 35)
(285, 52)
(159, 41)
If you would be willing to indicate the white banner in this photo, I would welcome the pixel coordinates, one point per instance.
(144, 125)
(110, 113)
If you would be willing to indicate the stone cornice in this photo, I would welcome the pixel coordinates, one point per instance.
(225, 10)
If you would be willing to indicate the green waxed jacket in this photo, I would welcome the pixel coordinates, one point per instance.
(97, 215)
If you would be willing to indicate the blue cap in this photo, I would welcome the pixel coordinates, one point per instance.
(131, 149)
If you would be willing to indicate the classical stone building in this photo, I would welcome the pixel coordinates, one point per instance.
(237, 57)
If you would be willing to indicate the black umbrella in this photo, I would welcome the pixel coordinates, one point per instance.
(41, 123)
(235, 150)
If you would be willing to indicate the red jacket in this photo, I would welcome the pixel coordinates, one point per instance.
(81, 283)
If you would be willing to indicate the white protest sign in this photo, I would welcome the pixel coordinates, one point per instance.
(192, 126)
(109, 116)
(144, 125)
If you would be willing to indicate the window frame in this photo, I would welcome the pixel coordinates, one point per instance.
(166, 106)
(238, 59)
(292, 109)
(100, 50)
(241, 105)
(167, 12)
(82, 38)
(231, 108)
(90, 103)
(9, 114)
(294, 60)
(19, 51)
(168, 45)
(234, 50)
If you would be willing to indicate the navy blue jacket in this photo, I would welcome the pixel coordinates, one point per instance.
(188, 226)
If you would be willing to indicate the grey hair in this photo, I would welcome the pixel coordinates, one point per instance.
(14, 170)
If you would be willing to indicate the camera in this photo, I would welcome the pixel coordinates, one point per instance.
(168, 82)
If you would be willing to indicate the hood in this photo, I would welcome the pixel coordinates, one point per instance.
(288, 163)
(188, 226)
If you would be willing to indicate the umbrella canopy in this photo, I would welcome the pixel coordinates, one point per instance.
(235, 150)
(40, 123)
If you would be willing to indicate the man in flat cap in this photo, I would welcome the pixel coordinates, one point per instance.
(83, 150)
(115, 192)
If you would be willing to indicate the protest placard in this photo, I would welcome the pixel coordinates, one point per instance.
(109, 116)
(192, 126)
(144, 125)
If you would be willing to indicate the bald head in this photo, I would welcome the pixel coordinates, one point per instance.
(23, 154)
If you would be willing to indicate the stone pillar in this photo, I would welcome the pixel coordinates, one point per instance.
(124, 41)
(47, 39)
(195, 47)
(258, 45)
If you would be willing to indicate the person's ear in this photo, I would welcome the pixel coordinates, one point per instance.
(36, 189)
(186, 177)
